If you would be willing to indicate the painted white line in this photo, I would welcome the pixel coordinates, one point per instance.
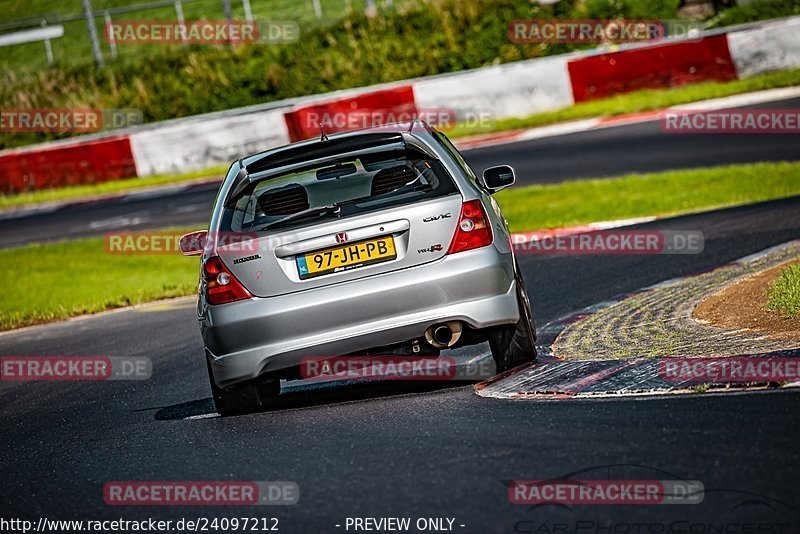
(202, 416)
(39, 210)
(556, 130)
(79, 318)
(761, 254)
(746, 259)
(744, 99)
(541, 132)
(117, 222)
(605, 225)
(154, 193)
(537, 235)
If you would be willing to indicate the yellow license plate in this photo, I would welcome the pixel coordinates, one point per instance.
(346, 257)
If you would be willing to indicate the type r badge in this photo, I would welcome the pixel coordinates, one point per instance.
(247, 258)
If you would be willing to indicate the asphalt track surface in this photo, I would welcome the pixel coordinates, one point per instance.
(436, 450)
(606, 152)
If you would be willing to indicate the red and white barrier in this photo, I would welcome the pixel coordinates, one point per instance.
(355, 112)
(509, 90)
(64, 164)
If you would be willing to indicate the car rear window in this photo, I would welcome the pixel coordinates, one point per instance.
(356, 185)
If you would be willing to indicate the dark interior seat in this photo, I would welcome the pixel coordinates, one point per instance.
(287, 200)
(388, 180)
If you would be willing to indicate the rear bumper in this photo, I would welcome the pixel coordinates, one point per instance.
(247, 338)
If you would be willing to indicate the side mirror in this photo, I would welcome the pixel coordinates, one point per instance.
(194, 243)
(498, 178)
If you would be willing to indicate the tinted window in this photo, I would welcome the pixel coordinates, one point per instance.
(359, 185)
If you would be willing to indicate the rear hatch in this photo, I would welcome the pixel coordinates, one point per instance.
(341, 250)
(323, 217)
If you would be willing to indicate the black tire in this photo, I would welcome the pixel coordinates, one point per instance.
(246, 397)
(515, 345)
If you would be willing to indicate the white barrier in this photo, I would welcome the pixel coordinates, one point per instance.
(769, 47)
(196, 145)
(510, 90)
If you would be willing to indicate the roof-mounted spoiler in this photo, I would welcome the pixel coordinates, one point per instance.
(282, 163)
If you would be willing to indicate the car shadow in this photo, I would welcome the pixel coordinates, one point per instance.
(305, 396)
(472, 364)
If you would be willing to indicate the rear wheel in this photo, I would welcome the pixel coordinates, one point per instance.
(515, 345)
(246, 397)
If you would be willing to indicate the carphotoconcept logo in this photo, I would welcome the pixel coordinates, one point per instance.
(206, 493)
(74, 368)
(584, 500)
(67, 120)
(609, 242)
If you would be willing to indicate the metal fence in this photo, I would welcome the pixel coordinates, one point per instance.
(77, 41)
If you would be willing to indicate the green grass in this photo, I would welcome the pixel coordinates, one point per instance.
(784, 293)
(61, 280)
(105, 188)
(638, 101)
(641, 195)
(56, 281)
(417, 38)
(754, 11)
(74, 48)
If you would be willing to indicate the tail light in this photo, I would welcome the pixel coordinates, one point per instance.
(221, 286)
(473, 229)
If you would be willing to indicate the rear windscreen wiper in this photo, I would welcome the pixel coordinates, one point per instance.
(331, 209)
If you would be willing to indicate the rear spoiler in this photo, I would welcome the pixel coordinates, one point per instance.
(320, 150)
(316, 153)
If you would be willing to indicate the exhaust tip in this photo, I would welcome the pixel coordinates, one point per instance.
(443, 335)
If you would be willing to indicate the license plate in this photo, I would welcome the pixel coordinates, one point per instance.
(346, 257)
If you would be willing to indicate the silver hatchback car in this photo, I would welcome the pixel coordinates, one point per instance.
(376, 242)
